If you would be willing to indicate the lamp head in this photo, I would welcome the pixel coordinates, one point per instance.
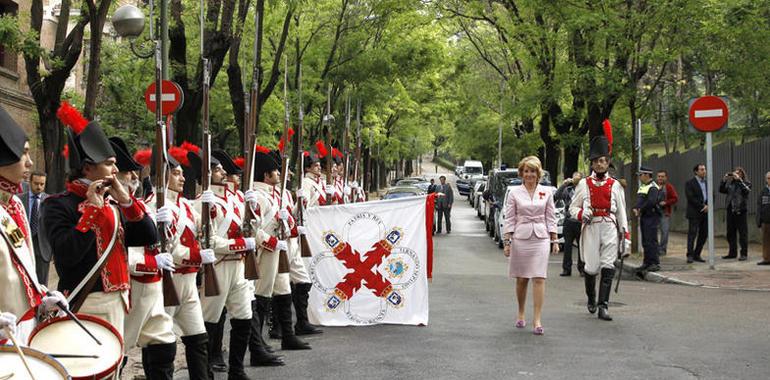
(128, 21)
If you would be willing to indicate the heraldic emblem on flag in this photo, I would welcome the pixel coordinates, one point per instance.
(371, 262)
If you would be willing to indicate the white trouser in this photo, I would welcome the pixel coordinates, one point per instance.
(107, 306)
(297, 270)
(188, 316)
(235, 292)
(599, 245)
(271, 282)
(147, 323)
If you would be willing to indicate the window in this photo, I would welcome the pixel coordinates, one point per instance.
(8, 58)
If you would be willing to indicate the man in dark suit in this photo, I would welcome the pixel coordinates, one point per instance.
(32, 198)
(444, 204)
(697, 212)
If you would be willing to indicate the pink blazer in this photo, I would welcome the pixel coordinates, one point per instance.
(525, 217)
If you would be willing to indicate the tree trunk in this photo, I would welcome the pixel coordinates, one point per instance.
(633, 184)
(97, 15)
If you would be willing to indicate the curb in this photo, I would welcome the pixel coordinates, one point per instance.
(632, 268)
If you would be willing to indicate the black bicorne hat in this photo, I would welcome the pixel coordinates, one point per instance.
(309, 158)
(264, 162)
(193, 171)
(87, 141)
(227, 162)
(12, 139)
(599, 148)
(123, 159)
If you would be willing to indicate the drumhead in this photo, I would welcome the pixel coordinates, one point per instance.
(42, 365)
(63, 336)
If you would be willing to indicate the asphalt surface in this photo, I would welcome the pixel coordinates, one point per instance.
(660, 331)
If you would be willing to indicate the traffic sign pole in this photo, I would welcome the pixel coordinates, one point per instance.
(710, 200)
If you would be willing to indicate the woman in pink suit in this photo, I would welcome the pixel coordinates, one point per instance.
(529, 234)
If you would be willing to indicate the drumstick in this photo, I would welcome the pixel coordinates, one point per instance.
(19, 351)
(74, 356)
(75, 319)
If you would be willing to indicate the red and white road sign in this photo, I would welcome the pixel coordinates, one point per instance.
(171, 97)
(709, 113)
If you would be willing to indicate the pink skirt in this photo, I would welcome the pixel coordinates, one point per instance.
(529, 258)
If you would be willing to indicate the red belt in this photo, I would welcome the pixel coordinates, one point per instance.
(601, 212)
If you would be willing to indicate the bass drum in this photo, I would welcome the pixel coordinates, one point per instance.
(42, 365)
(63, 336)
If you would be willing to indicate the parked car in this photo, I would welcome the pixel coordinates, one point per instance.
(494, 194)
(465, 184)
(478, 198)
(402, 191)
(472, 168)
(459, 170)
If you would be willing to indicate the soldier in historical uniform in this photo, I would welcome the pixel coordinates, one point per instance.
(230, 247)
(313, 185)
(23, 296)
(80, 225)
(341, 189)
(271, 284)
(147, 325)
(599, 203)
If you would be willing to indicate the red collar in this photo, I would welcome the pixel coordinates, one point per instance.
(9, 187)
(76, 187)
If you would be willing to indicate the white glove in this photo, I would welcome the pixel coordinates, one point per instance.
(51, 299)
(347, 189)
(302, 230)
(329, 189)
(208, 197)
(282, 245)
(207, 256)
(587, 214)
(627, 250)
(283, 214)
(250, 196)
(165, 262)
(164, 215)
(7, 320)
(251, 243)
(354, 184)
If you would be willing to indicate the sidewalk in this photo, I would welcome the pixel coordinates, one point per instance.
(727, 274)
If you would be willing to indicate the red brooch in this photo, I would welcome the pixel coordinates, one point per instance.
(542, 194)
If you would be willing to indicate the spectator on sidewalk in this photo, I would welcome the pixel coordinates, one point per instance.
(444, 205)
(697, 208)
(571, 227)
(432, 186)
(763, 220)
(648, 210)
(737, 188)
(670, 198)
(32, 199)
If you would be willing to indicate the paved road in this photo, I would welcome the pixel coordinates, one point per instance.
(660, 331)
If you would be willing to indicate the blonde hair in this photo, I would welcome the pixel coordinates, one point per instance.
(531, 162)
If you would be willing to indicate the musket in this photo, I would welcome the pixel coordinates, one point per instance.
(622, 254)
(170, 296)
(358, 149)
(251, 271)
(328, 121)
(283, 258)
(345, 149)
(304, 245)
(210, 283)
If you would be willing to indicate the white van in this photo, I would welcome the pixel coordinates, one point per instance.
(472, 168)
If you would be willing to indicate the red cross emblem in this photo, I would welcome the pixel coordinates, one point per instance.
(364, 272)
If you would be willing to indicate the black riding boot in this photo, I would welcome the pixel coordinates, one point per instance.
(300, 295)
(239, 340)
(259, 357)
(275, 327)
(283, 311)
(158, 361)
(196, 354)
(590, 282)
(263, 308)
(605, 286)
(216, 361)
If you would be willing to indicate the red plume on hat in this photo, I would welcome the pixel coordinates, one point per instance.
(180, 154)
(608, 133)
(190, 147)
(262, 149)
(282, 143)
(336, 153)
(71, 117)
(143, 157)
(66, 151)
(321, 148)
(306, 154)
(240, 162)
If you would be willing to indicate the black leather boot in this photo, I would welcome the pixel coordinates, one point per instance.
(590, 282)
(263, 308)
(605, 286)
(289, 341)
(216, 361)
(197, 356)
(239, 340)
(275, 327)
(299, 295)
(158, 361)
(259, 357)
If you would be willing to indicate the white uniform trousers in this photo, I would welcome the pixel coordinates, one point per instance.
(235, 292)
(188, 316)
(271, 282)
(297, 269)
(107, 306)
(147, 323)
(599, 245)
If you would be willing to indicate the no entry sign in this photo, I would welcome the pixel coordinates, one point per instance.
(709, 113)
(171, 97)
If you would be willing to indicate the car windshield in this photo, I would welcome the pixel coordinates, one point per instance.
(399, 194)
(406, 182)
(473, 170)
(503, 180)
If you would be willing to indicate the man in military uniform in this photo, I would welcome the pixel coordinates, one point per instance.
(147, 325)
(648, 210)
(271, 284)
(599, 203)
(230, 247)
(23, 296)
(73, 220)
(313, 185)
